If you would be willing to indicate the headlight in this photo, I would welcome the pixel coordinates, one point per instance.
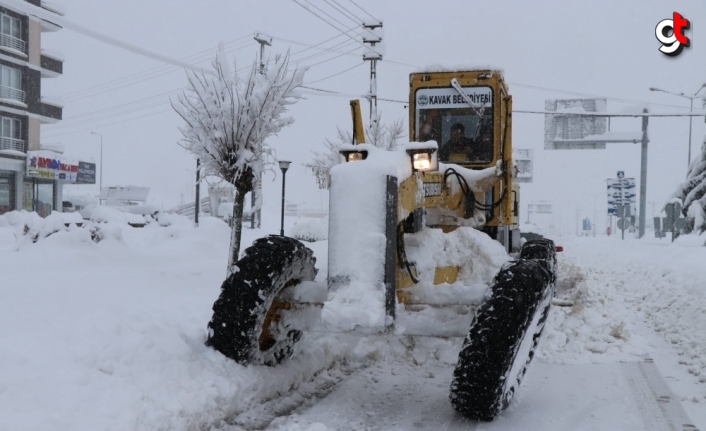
(354, 156)
(421, 161)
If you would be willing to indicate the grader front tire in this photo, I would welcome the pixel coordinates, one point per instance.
(504, 334)
(246, 325)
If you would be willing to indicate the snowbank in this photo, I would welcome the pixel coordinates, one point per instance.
(612, 284)
(310, 230)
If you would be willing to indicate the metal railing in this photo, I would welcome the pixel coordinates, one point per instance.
(12, 144)
(12, 93)
(13, 42)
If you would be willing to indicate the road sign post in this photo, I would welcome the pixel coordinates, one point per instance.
(673, 222)
(623, 212)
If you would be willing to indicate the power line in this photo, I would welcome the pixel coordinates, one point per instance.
(118, 109)
(39, 12)
(606, 114)
(110, 88)
(357, 22)
(332, 25)
(110, 124)
(356, 5)
(323, 12)
(336, 74)
(615, 99)
(151, 70)
(82, 117)
(348, 11)
(115, 86)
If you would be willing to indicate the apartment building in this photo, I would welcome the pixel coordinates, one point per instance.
(31, 175)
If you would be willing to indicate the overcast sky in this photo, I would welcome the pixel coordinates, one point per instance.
(547, 49)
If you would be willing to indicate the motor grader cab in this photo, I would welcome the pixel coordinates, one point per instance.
(469, 115)
(412, 250)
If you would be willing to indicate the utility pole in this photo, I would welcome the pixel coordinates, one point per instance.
(643, 176)
(373, 35)
(263, 40)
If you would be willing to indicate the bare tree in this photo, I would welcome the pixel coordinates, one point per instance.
(382, 136)
(227, 120)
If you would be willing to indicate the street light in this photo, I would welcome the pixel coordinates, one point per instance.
(691, 110)
(101, 177)
(284, 166)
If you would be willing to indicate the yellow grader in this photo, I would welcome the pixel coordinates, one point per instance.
(404, 226)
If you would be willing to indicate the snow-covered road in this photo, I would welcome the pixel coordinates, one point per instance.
(626, 356)
(402, 396)
(110, 336)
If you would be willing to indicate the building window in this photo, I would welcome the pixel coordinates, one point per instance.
(7, 192)
(10, 128)
(11, 84)
(11, 33)
(11, 134)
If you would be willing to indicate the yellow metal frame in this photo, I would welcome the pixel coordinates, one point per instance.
(502, 127)
(358, 132)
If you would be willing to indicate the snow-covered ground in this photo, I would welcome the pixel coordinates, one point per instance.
(109, 336)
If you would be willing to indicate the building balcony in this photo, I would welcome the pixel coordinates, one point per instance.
(13, 44)
(49, 26)
(10, 94)
(51, 65)
(12, 144)
(51, 112)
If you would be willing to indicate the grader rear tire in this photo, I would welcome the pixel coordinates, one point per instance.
(246, 324)
(504, 334)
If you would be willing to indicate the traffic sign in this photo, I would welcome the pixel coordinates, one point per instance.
(623, 210)
(623, 223)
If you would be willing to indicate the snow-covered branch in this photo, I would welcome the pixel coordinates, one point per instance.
(227, 120)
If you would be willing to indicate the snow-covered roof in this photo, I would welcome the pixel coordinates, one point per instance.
(431, 68)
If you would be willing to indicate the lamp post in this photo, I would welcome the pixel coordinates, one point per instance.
(691, 110)
(283, 165)
(101, 176)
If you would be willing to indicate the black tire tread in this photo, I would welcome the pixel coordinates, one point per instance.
(478, 389)
(246, 296)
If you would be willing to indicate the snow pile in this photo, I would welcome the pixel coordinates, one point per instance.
(114, 340)
(478, 256)
(107, 214)
(672, 297)
(173, 219)
(357, 237)
(310, 230)
(626, 281)
(591, 327)
(24, 228)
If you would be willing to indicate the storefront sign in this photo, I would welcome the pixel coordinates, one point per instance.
(86, 173)
(50, 165)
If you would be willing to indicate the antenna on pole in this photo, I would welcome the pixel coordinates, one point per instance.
(372, 34)
(263, 40)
